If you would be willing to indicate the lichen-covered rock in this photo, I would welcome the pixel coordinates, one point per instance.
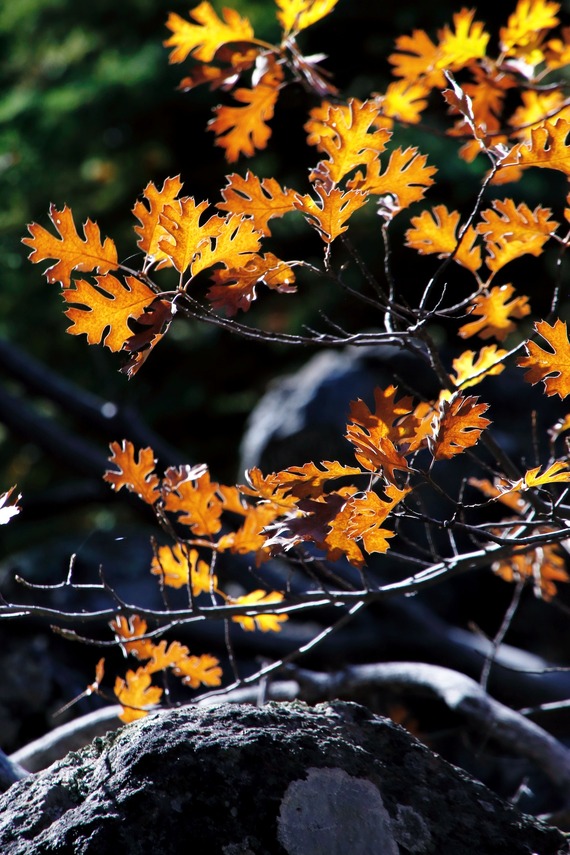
(241, 780)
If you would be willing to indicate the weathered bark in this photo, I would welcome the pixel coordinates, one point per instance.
(241, 780)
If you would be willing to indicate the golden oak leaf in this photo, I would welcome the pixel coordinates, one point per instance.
(308, 480)
(557, 51)
(501, 490)
(367, 513)
(260, 200)
(189, 492)
(536, 107)
(265, 621)
(547, 148)
(470, 371)
(375, 451)
(102, 312)
(177, 565)
(70, 251)
(201, 670)
(487, 93)
(406, 178)
(495, 311)
(136, 694)
(391, 418)
(460, 425)
(250, 537)
(132, 628)
(544, 566)
(135, 472)
(151, 231)
(337, 542)
(343, 132)
(181, 223)
(467, 43)
(296, 15)
(203, 39)
(552, 367)
(417, 58)
(403, 100)
(242, 130)
(330, 213)
(523, 33)
(164, 655)
(557, 472)
(235, 289)
(435, 232)
(510, 231)
(267, 488)
(234, 241)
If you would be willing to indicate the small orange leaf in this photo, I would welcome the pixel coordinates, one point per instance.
(375, 451)
(557, 472)
(470, 371)
(71, 252)
(435, 232)
(459, 427)
(547, 148)
(260, 200)
(199, 670)
(176, 565)
(150, 231)
(129, 632)
(296, 15)
(511, 231)
(102, 312)
(189, 492)
(495, 311)
(136, 473)
(235, 289)
(406, 178)
(330, 213)
(265, 622)
(183, 232)
(234, 241)
(135, 694)
(203, 39)
(552, 367)
(545, 566)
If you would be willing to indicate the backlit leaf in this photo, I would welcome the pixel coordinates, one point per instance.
(190, 493)
(260, 200)
(236, 289)
(136, 694)
(435, 232)
(511, 231)
(550, 366)
(204, 38)
(70, 251)
(133, 471)
(265, 621)
(459, 427)
(406, 178)
(150, 231)
(547, 148)
(470, 370)
(331, 212)
(198, 671)
(176, 565)
(495, 311)
(296, 15)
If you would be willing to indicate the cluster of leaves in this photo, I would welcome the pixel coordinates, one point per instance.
(399, 444)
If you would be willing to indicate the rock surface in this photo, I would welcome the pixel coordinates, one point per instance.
(239, 780)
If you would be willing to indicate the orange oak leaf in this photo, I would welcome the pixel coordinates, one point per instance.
(470, 370)
(296, 15)
(102, 311)
(436, 232)
(70, 251)
(308, 480)
(136, 694)
(236, 289)
(557, 472)
(525, 28)
(494, 312)
(251, 537)
(129, 632)
(242, 130)
(135, 472)
(260, 200)
(264, 621)
(330, 213)
(154, 323)
(201, 670)
(502, 490)
(345, 132)
(544, 566)
(151, 231)
(267, 488)
(164, 655)
(234, 241)
(536, 107)
(404, 101)
(460, 425)
(417, 58)
(189, 492)
(183, 232)
(406, 178)
(510, 231)
(460, 47)
(338, 543)
(552, 367)
(392, 418)
(375, 451)
(203, 39)
(367, 513)
(546, 148)
(176, 566)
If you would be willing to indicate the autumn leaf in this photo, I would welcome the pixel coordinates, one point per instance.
(544, 566)
(417, 58)
(204, 38)
(102, 311)
(309, 480)
(375, 451)
(234, 241)
(391, 418)
(128, 632)
(557, 473)
(331, 212)
(151, 231)
(494, 311)
(406, 178)
(176, 565)
(470, 370)
(135, 472)
(183, 232)
(367, 514)
(459, 426)
(233, 64)
(536, 107)
(265, 621)
(242, 130)
(260, 200)
(154, 323)
(524, 31)
(70, 251)
(136, 694)
(189, 492)
(501, 490)
(345, 133)
(251, 537)
(403, 100)
(547, 148)
(460, 47)
(435, 232)
(198, 671)
(552, 367)
(510, 231)
(297, 15)
(236, 289)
